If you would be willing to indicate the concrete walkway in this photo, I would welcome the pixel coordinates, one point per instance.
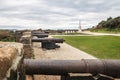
(66, 52)
(88, 33)
(100, 34)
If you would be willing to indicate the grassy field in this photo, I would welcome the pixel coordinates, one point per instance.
(105, 30)
(105, 47)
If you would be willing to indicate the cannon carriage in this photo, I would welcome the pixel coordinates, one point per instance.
(49, 43)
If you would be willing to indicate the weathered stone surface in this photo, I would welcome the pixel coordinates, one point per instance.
(18, 35)
(27, 33)
(27, 51)
(18, 46)
(7, 54)
(10, 55)
(26, 40)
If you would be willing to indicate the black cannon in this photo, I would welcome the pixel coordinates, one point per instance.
(40, 32)
(49, 43)
(95, 67)
(40, 35)
(37, 32)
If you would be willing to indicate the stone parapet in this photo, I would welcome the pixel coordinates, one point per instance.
(26, 40)
(11, 54)
(18, 35)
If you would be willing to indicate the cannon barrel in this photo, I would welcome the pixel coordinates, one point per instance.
(40, 35)
(55, 40)
(63, 67)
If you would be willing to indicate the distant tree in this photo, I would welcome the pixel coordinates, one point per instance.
(40, 29)
(102, 23)
(109, 18)
(111, 23)
(93, 27)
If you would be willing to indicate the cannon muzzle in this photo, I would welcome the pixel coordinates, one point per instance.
(55, 40)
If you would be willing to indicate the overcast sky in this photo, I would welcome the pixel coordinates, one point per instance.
(55, 14)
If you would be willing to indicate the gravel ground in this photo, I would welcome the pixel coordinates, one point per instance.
(66, 52)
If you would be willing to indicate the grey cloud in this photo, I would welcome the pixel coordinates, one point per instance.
(51, 11)
(29, 12)
(10, 27)
(79, 5)
(84, 5)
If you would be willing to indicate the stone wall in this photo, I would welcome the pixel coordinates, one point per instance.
(11, 54)
(26, 40)
(24, 37)
(18, 35)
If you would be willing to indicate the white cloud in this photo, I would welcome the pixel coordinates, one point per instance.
(56, 14)
(95, 1)
(19, 2)
(19, 22)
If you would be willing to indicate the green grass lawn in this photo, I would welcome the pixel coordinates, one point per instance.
(105, 47)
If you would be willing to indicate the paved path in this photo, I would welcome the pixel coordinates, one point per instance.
(100, 34)
(88, 33)
(66, 52)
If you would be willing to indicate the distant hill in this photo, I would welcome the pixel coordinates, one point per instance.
(111, 24)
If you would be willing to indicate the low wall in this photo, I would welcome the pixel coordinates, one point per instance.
(11, 54)
(26, 40)
(24, 37)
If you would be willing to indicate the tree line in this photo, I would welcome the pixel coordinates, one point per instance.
(110, 23)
